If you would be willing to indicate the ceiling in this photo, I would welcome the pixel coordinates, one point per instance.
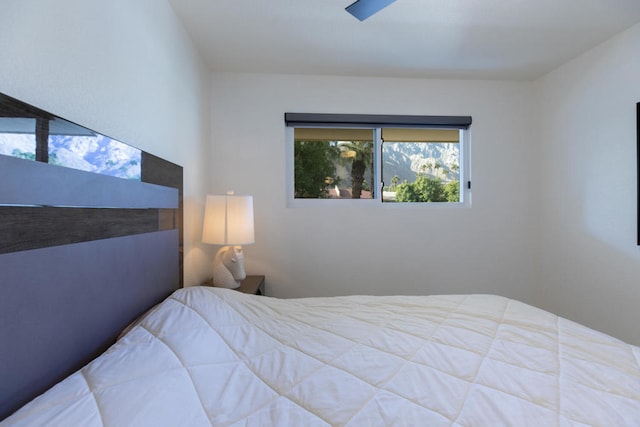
(470, 39)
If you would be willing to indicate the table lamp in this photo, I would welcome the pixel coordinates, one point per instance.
(228, 221)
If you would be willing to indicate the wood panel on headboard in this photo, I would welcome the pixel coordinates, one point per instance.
(162, 172)
(81, 256)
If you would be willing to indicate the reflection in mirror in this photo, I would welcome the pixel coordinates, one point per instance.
(33, 134)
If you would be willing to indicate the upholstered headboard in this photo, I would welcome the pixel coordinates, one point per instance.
(82, 254)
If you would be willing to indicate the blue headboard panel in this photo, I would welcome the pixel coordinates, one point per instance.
(64, 305)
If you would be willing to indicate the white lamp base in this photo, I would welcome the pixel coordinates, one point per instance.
(228, 267)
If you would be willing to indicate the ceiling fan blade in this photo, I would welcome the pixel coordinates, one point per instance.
(362, 9)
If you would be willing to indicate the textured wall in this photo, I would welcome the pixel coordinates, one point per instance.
(587, 198)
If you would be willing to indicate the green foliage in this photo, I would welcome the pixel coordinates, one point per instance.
(53, 159)
(394, 182)
(406, 192)
(426, 189)
(23, 154)
(452, 191)
(314, 168)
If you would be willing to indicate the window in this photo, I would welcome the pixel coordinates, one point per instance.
(379, 159)
(333, 163)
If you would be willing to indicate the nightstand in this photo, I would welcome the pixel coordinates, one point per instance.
(251, 285)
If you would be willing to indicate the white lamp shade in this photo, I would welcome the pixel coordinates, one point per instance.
(228, 220)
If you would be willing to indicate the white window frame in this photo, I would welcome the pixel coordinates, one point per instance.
(465, 171)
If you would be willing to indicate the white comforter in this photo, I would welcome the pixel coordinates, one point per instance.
(209, 356)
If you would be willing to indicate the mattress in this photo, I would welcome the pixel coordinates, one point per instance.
(210, 356)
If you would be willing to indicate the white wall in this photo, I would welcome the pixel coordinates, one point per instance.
(354, 250)
(589, 260)
(124, 68)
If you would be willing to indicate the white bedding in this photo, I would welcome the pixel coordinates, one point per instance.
(209, 356)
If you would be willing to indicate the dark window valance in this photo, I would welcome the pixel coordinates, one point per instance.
(374, 120)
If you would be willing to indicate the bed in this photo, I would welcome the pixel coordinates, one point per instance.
(212, 356)
(97, 330)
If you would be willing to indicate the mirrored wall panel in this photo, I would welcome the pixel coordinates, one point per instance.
(30, 133)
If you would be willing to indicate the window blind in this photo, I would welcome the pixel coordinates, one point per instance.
(374, 120)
